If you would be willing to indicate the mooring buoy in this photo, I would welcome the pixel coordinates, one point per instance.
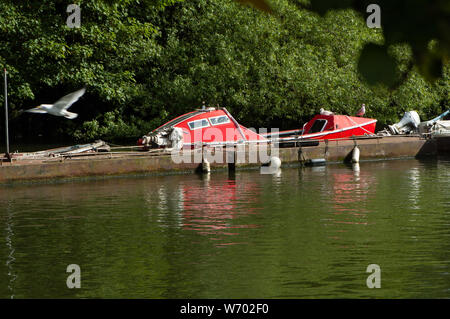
(271, 166)
(206, 167)
(355, 154)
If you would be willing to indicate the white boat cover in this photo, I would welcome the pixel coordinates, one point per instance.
(441, 128)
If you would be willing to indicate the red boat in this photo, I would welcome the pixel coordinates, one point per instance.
(209, 126)
(213, 126)
(331, 127)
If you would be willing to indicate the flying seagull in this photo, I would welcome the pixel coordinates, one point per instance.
(361, 111)
(59, 108)
(324, 112)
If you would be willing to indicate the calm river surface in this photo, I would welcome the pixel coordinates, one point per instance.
(307, 233)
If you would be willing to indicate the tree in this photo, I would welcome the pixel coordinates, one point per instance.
(277, 70)
(416, 22)
(44, 56)
(144, 62)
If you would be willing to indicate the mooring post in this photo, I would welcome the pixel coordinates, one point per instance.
(6, 116)
(203, 152)
(204, 167)
(231, 159)
(301, 156)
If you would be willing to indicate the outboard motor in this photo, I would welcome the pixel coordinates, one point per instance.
(166, 138)
(408, 124)
(176, 138)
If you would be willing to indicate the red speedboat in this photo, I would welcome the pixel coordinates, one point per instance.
(211, 126)
(330, 127)
(208, 126)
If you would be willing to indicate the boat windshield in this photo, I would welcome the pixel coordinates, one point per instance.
(198, 124)
(217, 120)
(318, 126)
(177, 120)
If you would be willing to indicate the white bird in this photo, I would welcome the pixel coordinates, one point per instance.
(361, 111)
(59, 108)
(323, 112)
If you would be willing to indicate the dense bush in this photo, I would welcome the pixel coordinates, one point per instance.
(144, 62)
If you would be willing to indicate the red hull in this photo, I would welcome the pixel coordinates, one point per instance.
(217, 126)
(204, 128)
(327, 127)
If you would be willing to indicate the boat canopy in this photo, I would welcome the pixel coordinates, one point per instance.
(205, 126)
(338, 126)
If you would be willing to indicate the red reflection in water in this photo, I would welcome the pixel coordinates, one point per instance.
(351, 186)
(349, 195)
(211, 208)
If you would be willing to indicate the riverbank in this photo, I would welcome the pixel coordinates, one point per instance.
(126, 163)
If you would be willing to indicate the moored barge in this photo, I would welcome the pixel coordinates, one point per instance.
(329, 137)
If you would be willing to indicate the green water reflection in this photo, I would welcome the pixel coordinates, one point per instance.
(307, 233)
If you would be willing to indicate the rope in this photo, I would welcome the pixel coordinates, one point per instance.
(362, 127)
(127, 147)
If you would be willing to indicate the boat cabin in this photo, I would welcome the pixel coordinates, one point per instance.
(338, 126)
(204, 126)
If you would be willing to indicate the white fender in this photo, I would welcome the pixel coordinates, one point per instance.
(272, 166)
(355, 155)
(206, 167)
(275, 162)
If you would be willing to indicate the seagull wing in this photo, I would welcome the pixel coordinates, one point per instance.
(66, 101)
(70, 115)
(36, 110)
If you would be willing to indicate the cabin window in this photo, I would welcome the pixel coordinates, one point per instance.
(194, 125)
(217, 120)
(318, 126)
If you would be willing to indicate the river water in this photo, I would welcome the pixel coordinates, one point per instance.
(303, 233)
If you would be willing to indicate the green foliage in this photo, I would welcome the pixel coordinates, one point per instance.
(278, 70)
(377, 65)
(416, 22)
(109, 126)
(145, 61)
(46, 59)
